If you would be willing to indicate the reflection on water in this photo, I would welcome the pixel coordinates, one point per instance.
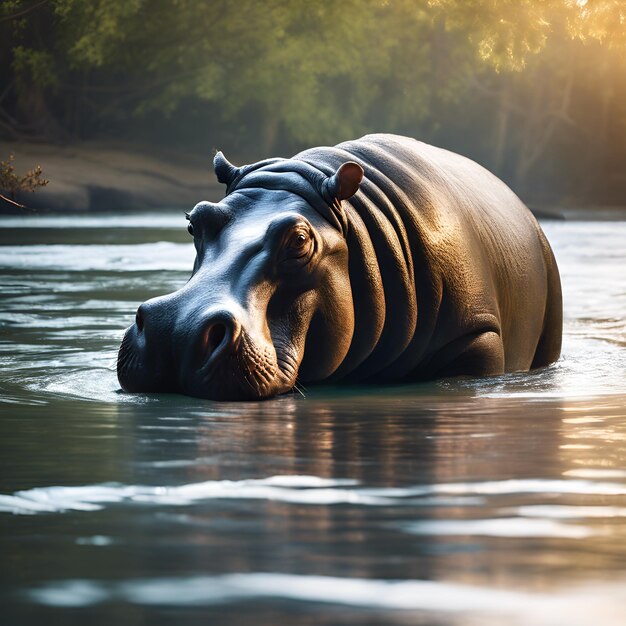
(456, 502)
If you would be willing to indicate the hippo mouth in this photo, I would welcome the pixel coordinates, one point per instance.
(243, 370)
(248, 371)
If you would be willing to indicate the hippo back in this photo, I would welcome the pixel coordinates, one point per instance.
(440, 248)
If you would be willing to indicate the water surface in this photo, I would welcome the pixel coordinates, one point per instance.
(456, 502)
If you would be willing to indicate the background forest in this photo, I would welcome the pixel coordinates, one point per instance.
(535, 90)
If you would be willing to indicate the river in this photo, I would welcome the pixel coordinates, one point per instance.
(491, 501)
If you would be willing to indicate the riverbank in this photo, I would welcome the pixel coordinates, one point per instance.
(95, 176)
(107, 176)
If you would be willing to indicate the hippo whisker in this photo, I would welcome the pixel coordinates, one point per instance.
(296, 387)
(256, 388)
(129, 365)
(251, 381)
(124, 360)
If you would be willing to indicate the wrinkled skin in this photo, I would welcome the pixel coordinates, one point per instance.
(428, 266)
(238, 328)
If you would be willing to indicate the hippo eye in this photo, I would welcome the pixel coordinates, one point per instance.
(299, 242)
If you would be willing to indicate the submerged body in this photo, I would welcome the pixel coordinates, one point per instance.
(379, 259)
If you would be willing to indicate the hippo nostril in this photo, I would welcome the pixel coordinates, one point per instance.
(139, 318)
(220, 336)
(215, 337)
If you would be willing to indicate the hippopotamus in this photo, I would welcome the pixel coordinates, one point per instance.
(379, 259)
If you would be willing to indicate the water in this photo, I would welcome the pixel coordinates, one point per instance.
(457, 502)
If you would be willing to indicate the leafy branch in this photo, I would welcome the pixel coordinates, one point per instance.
(11, 183)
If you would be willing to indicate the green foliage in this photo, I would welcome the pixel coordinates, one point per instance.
(506, 33)
(35, 65)
(293, 73)
(600, 20)
(318, 67)
(315, 70)
(97, 29)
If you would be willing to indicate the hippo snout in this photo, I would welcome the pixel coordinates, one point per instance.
(137, 369)
(143, 363)
(205, 352)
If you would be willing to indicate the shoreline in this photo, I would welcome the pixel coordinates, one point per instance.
(98, 177)
(94, 177)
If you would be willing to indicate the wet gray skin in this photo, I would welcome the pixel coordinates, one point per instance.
(264, 283)
(379, 259)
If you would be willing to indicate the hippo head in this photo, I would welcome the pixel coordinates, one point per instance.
(269, 300)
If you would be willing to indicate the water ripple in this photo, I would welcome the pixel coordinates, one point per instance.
(158, 256)
(210, 590)
(500, 527)
(574, 606)
(311, 490)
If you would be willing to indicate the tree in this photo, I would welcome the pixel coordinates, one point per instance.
(514, 83)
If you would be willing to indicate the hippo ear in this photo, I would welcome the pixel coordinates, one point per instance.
(344, 183)
(224, 170)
